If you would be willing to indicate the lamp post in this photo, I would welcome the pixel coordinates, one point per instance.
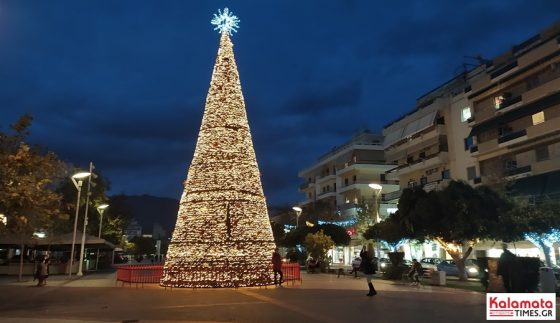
(298, 213)
(100, 209)
(79, 177)
(80, 265)
(376, 191)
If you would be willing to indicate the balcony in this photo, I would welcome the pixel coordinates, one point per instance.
(391, 196)
(516, 172)
(503, 69)
(326, 194)
(509, 102)
(473, 149)
(432, 160)
(512, 135)
(325, 178)
(306, 185)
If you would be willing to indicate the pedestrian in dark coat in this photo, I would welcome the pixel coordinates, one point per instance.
(506, 265)
(368, 267)
(277, 267)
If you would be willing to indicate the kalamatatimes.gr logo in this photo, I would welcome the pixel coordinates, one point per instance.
(521, 306)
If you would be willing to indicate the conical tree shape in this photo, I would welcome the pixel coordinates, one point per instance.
(223, 236)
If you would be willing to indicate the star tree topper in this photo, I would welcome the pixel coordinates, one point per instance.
(225, 21)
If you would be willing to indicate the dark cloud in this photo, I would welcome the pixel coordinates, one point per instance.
(123, 83)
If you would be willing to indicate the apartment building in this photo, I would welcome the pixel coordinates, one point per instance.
(340, 178)
(426, 145)
(515, 121)
(498, 123)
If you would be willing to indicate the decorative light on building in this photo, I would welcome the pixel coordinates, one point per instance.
(222, 237)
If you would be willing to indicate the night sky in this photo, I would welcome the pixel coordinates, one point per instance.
(123, 83)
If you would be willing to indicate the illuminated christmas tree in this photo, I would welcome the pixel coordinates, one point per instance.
(223, 236)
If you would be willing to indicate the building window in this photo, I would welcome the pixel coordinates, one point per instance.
(498, 101)
(309, 195)
(469, 142)
(409, 160)
(542, 153)
(471, 173)
(538, 118)
(445, 174)
(466, 114)
(411, 183)
(504, 130)
(346, 182)
(422, 155)
(510, 164)
(382, 177)
(423, 180)
(334, 187)
(354, 179)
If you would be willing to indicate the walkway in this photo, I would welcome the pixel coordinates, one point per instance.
(320, 298)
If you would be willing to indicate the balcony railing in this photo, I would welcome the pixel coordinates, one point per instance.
(391, 196)
(512, 135)
(518, 170)
(305, 185)
(501, 70)
(509, 102)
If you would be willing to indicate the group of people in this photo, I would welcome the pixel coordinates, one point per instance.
(367, 263)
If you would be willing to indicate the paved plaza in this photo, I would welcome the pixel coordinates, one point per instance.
(319, 298)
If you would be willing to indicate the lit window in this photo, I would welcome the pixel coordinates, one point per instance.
(538, 118)
(466, 114)
(498, 101)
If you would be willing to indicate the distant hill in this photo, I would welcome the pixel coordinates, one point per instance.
(149, 210)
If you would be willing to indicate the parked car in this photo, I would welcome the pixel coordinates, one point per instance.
(451, 269)
(384, 263)
(429, 263)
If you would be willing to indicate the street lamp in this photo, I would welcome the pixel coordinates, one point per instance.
(3, 219)
(80, 178)
(80, 265)
(101, 208)
(298, 213)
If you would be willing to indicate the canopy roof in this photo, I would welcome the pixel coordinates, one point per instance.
(60, 242)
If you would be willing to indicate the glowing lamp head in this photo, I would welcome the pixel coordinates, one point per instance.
(297, 209)
(103, 206)
(376, 187)
(81, 175)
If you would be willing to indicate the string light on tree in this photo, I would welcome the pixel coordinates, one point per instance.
(222, 237)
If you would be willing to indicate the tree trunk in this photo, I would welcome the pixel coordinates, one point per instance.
(546, 251)
(458, 256)
(20, 274)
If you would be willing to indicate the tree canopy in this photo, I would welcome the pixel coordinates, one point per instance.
(28, 181)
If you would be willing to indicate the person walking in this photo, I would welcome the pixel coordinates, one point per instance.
(277, 267)
(505, 268)
(356, 266)
(42, 272)
(415, 271)
(368, 267)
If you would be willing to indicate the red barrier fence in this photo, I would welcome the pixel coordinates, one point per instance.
(139, 274)
(291, 271)
(151, 274)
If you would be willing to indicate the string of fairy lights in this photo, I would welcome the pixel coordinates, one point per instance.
(222, 237)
